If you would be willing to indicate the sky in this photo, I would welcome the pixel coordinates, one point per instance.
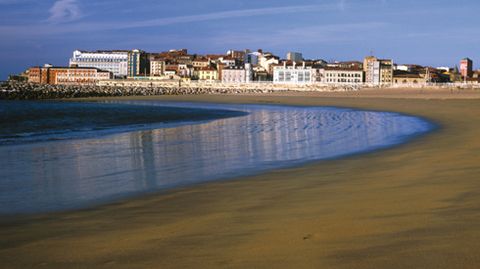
(427, 32)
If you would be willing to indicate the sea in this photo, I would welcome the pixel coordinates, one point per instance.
(60, 156)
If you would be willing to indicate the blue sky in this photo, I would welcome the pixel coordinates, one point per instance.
(429, 32)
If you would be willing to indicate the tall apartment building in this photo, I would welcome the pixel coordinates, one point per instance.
(294, 56)
(157, 67)
(67, 75)
(466, 68)
(378, 71)
(138, 63)
(114, 61)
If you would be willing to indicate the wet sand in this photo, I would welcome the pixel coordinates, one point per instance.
(413, 206)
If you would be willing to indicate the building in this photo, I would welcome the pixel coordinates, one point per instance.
(466, 68)
(236, 54)
(236, 74)
(268, 61)
(455, 75)
(402, 77)
(180, 56)
(157, 67)
(378, 71)
(401, 67)
(170, 72)
(443, 68)
(115, 61)
(55, 75)
(200, 63)
(138, 64)
(229, 61)
(294, 56)
(341, 75)
(252, 57)
(185, 70)
(260, 74)
(345, 65)
(293, 74)
(207, 73)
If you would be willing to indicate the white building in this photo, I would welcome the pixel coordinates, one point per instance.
(401, 67)
(157, 67)
(444, 68)
(267, 61)
(228, 61)
(340, 76)
(293, 74)
(236, 74)
(112, 61)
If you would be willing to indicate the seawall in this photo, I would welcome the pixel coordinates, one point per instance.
(30, 91)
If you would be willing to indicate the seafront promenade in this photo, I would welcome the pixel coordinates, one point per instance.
(110, 88)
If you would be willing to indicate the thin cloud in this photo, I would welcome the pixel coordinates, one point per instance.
(9, 2)
(68, 10)
(64, 11)
(227, 15)
(320, 34)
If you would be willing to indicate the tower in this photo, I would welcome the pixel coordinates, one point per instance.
(466, 68)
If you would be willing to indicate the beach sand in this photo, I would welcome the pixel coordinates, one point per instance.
(412, 206)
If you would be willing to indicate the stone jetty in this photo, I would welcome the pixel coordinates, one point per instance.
(12, 90)
(29, 91)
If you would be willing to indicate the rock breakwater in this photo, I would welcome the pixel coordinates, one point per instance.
(30, 91)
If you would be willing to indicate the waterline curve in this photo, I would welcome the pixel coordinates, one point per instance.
(72, 174)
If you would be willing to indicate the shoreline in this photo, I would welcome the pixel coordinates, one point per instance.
(359, 132)
(409, 206)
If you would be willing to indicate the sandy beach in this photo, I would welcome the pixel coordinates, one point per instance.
(413, 206)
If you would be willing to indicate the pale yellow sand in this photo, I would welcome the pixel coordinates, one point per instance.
(414, 206)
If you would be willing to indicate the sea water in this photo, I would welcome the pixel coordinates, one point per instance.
(60, 156)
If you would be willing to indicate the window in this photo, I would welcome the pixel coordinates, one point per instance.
(288, 76)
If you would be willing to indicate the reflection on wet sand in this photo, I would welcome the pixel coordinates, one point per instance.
(76, 173)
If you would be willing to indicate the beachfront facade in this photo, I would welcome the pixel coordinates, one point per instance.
(293, 74)
(340, 76)
(55, 75)
(114, 61)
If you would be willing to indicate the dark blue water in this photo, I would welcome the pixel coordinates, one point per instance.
(33, 121)
(54, 170)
